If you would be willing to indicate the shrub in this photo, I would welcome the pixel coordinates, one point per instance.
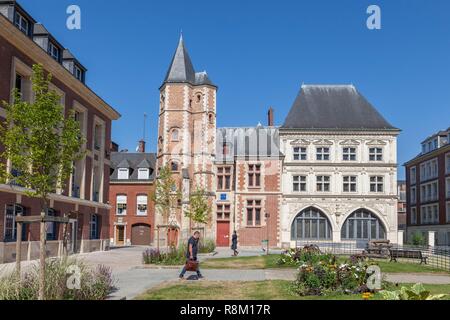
(175, 256)
(95, 284)
(207, 246)
(418, 239)
(320, 274)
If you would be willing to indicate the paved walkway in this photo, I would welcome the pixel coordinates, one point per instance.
(133, 278)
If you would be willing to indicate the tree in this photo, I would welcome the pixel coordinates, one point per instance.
(41, 145)
(166, 195)
(199, 208)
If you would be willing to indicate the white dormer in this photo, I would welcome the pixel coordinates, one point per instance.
(123, 174)
(143, 173)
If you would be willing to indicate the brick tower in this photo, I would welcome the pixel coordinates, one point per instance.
(187, 137)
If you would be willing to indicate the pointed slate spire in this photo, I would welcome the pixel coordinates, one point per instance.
(181, 68)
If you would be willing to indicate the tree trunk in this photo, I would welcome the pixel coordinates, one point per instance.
(42, 256)
(18, 247)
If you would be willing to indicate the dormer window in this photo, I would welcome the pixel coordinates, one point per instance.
(143, 174)
(78, 73)
(21, 23)
(53, 51)
(123, 174)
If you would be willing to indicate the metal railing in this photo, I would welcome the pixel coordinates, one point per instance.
(437, 257)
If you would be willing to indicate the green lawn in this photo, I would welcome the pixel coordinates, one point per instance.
(259, 290)
(270, 262)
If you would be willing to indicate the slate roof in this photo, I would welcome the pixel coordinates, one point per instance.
(133, 161)
(248, 142)
(334, 107)
(181, 69)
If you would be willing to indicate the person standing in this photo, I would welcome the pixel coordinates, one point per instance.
(191, 254)
(234, 240)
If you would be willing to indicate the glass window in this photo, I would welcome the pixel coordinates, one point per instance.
(412, 175)
(253, 212)
(224, 178)
(448, 211)
(174, 166)
(10, 227)
(363, 225)
(254, 175)
(50, 227)
(142, 204)
(376, 184)
(94, 227)
(299, 183)
(323, 154)
(53, 50)
(413, 215)
(21, 23)
(121, 204)
(349, 183)
(323, 183)
(223, 212)
(175, 135)
(311, 224)
(349, 154)
(375, 154)
(299, 153)
(78, 73)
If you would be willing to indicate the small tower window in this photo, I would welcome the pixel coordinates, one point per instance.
(174, 166)
(211, 118)
(175, 135)
(199, 97)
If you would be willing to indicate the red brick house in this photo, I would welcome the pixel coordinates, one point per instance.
(132, 212)
(23, 43)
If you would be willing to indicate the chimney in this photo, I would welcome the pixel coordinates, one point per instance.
(270, 117)
(141, 148)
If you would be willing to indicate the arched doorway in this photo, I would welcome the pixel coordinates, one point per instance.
(363, 225)
(311, 224)
(141, 234)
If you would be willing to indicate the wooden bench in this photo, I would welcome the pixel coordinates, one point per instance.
(407, 254)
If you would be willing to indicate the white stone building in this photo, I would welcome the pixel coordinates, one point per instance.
(340, 169)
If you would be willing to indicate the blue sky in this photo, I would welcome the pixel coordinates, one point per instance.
(260, 52)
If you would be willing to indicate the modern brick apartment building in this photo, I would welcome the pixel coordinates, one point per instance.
(328, 174)
(428, 189)
(23, 42)
(132, 217)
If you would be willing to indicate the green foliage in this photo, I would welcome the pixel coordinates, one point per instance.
(321, 274)
(199, 209)
(418, 239)
(206, 246)
(96, 284)
(39, 140)
(166, 195)
(174, 256)
(416, 292)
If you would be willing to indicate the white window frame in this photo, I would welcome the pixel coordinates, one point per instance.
(299, 183)
(349, 152)
(78, 73)
(54, 51)
(447, 162)
(349, 182)
(299, 153)
(143, 174)
(141, 200)
(323, 153)
(322, 182)
(123, 173)
(18, 21)
(379, 181)
(121, 205)
(413, 195)
(375, 154)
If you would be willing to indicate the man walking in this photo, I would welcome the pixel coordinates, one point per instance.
(191, 254)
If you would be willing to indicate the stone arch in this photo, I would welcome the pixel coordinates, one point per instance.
(297, 210)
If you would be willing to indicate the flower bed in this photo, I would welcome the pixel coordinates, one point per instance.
(174, 256)
(322, 274)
